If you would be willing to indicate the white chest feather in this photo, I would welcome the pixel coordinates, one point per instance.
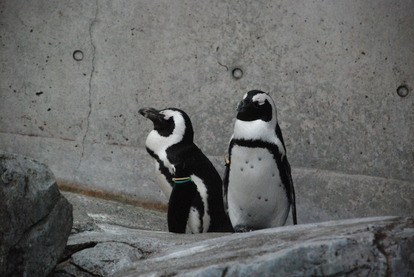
(256, 195)
(159, 145)
(162, 181)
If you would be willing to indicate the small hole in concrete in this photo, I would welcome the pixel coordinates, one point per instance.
(402, 91)
(78, 55)
(237, 73)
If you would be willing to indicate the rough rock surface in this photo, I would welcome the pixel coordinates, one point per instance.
(380, 246)
(360, 247)
(103, 236)
(89, 211)
(35, 218)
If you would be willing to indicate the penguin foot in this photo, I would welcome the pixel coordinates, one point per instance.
(243, 228)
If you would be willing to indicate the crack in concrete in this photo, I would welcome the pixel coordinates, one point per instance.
(92, 24)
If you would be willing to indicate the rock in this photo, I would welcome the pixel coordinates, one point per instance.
(87, 253)
(89, 211)
(367, 246)
(360, 247)
(380, 246)
(35, 218)
(105, 259)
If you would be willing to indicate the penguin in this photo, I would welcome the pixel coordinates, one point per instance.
(258, 187)
(187, 177)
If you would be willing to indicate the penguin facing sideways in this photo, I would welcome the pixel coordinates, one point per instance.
(258, 187)
(186, 175)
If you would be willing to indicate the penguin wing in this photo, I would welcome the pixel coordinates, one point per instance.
(226, 178)
(289, 187)
(280, 136)
(182, 196)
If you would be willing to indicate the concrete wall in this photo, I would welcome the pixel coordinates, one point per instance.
(333, 68)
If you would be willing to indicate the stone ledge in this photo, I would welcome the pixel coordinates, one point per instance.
(379, 246)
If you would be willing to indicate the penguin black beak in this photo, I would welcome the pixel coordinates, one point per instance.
(151, 113)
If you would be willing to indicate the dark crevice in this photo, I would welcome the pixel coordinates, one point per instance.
(72, 249)
(224, 273)
(379, 237)
(85, 271)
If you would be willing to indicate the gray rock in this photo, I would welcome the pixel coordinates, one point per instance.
(36, 218)
(89, 211)
(87, 253)
(360, 247)
(367, 246)
(107, 258)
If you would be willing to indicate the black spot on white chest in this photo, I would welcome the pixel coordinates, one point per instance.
(248, 164)
(254, 177)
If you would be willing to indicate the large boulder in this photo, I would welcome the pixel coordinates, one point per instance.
(36, 219)
(359, 247)
(380, 246)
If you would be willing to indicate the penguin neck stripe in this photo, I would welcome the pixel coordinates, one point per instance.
(253, 143)
(181, 180)
(259, 144)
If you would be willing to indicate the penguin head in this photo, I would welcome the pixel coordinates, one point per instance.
(256, 117)
(256, 105)
(170, 125)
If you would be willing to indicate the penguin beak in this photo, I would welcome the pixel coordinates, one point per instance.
(151, 113)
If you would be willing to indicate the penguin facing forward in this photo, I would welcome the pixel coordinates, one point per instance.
(186, 175)
(258, 187)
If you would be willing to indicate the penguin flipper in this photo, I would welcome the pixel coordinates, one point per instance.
(280, 136)
(226, 178)
(291, 189)
(289, 176)
(179, 206)
(225, 188)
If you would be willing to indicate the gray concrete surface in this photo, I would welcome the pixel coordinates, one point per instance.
(333, 69)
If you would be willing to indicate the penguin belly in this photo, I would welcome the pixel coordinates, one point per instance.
(256, 196)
